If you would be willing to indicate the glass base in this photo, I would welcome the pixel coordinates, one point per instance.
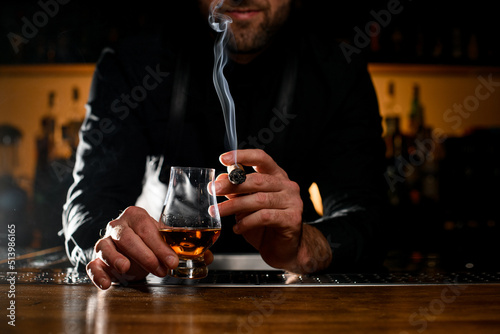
(192, 268)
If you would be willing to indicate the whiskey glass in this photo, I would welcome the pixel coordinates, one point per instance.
(190, 220)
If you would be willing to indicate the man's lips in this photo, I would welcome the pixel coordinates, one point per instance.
(242, 14)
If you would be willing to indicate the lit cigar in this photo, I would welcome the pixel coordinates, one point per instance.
(237, 174)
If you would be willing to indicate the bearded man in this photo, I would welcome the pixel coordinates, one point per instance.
(304, 115)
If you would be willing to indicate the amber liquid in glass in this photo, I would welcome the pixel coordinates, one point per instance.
(190, 243)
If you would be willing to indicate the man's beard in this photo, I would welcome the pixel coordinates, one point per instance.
(251, 39)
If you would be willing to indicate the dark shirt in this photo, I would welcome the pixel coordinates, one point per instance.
(313, 111)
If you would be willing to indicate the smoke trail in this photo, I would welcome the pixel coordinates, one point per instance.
(220, 23)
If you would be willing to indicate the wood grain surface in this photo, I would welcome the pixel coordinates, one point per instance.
(141, 309)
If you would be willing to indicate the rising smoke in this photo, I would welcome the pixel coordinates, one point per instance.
(220, 23)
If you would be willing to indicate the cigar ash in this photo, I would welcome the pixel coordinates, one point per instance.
(236, 174)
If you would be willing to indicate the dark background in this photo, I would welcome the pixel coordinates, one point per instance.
(466, 32)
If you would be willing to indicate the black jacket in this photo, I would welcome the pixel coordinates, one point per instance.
(315, 112)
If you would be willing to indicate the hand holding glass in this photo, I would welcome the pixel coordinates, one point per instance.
(188, 225)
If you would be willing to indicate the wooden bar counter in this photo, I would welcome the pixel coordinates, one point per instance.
(58, 299)
(141, 308)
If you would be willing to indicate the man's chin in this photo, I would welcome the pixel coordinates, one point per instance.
(245, 45)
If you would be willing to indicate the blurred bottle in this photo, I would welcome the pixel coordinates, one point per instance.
(70, 129)
(390, 107)
(416, 115)
(392, 115)
(395, 144)
(50, 185)
(46, 139)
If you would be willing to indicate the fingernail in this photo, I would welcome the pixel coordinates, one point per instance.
(101, 282)
(226, 157)
(217, 187)
(171, 261)
(211, 211)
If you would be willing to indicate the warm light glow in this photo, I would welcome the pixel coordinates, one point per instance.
(316, 198)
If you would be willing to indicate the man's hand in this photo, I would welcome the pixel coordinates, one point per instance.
(268, 211)
(131, 249)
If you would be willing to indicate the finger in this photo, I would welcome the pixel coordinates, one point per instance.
(259, 159)
(240, 216)
(103, 275)
(255, 182)
(209, 257)
(106, 251)
(287, 221)
(98, 274)
(140, 249)
(137, 235)
(254, 202)
(221, 183)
